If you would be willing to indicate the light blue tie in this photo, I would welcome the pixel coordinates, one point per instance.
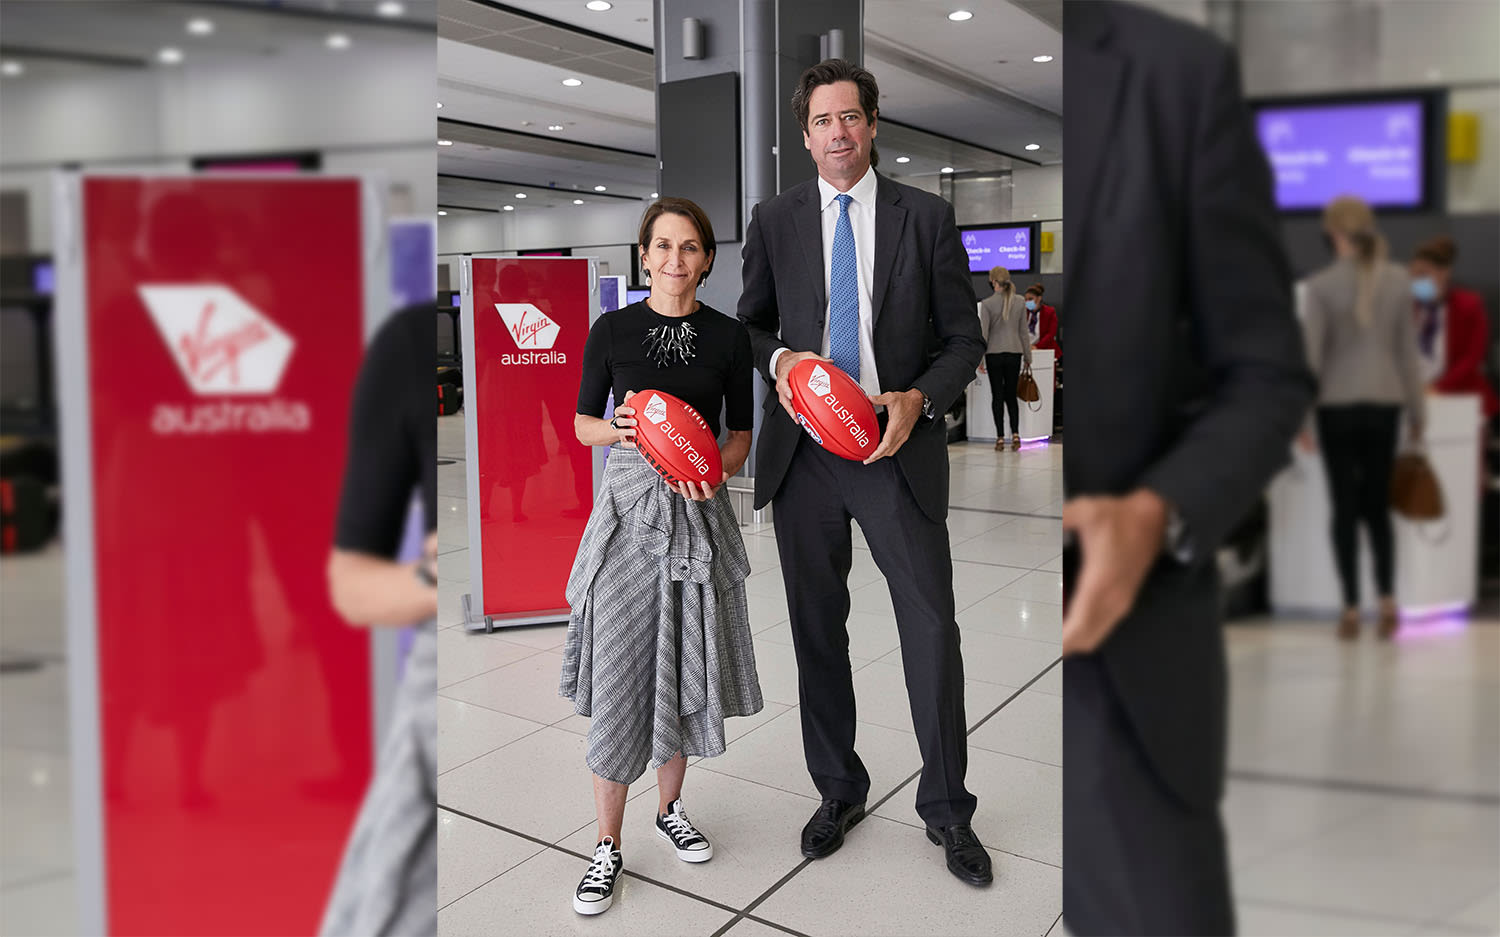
(843, 296)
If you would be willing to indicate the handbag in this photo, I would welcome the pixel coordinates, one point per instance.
(1415, 493)
(1026, 389)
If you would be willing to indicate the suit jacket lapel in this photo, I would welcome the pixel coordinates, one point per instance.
(890, 222)
(1088, 124)
(808, 219)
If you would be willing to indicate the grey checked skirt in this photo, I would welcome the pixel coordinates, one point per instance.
(658, 650)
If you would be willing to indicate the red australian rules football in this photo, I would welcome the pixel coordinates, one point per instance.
(833, 409)
(675, 440)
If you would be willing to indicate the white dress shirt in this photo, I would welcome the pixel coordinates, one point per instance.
(862, 221)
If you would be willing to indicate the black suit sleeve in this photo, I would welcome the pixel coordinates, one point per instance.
(954, 319)
(1246, 340)
(739, 394)
(757, 307)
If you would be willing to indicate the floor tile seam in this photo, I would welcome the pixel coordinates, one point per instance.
(739, 912)
(539, 851)
(485, 673)
(545, 725)
(539, 727)
(1283, 905)
(1445, 920)
(1006, 852)
(1342, 785)
(42, 878)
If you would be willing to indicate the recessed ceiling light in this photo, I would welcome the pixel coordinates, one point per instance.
(445, 143)
(903, 159)
(440, 104)
(510, 208)
(598, 188)
(946, 169)
(520, 195)
(572, 82)
(1033, 146)
(338, 41)
(1041, 58)
(200, 26)
(654, 195)
(554, 127)
(577, 201)
(169, 56)
(599, 6)
(390, 8)
(11, 69)
(441, 212)
(958, 16)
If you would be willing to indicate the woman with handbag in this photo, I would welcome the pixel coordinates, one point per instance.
(1362, 345)
(1002, 322)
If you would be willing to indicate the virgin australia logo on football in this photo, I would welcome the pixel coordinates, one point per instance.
(819, 383)
(224, 348)
(656, 410)
(533, 332)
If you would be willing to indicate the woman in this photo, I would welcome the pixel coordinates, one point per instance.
(1003, 324)
(658, 649)
(1453, 333)
(1362, 346)
(387, 883)
(1041, 320)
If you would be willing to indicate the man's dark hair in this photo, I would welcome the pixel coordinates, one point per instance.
(828, 72)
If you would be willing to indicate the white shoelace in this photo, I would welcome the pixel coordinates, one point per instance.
(601, 871)
(681, 829)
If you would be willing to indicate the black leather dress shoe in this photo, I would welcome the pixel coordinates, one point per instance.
(824, 833)
(967, 859)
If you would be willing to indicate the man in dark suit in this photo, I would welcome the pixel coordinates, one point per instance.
(1181, 334)
(858, 270)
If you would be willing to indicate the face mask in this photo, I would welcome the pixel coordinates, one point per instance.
(1424, 289)
(1031, 305)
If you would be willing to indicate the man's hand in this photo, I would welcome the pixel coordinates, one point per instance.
(1119, 539)
(902, 408)
(1306, 442)
(698, 491)
(784, 364)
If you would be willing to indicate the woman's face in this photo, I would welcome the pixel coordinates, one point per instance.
(1425, 268)
(1033, 301)
(674, 257)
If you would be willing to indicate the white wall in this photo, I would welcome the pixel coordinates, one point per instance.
(366, 110)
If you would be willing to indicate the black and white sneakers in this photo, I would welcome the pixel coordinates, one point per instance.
(597, 890)
(675, 828)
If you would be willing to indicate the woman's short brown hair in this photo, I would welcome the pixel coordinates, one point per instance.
(1439, 251)
(689, 210)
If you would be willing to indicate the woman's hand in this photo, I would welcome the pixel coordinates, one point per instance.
(981, 367)
(699, 491)
(624, 421)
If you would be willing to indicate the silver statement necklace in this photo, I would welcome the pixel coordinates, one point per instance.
(667, 345)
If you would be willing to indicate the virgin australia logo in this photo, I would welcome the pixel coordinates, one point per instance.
(819, 383)
(656, 409)
(529, 327)
(221, 344)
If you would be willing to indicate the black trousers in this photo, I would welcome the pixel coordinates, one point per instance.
(1136, 858)
(1005, 371)
(1359, 450)
(812, 513)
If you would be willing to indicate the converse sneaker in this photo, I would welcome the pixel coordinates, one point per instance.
(675, 828)
(597, 889)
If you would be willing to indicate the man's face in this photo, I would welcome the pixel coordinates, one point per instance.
(837, 133)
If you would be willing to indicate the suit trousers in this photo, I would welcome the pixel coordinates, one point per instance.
(819, 496)
(1138, 859)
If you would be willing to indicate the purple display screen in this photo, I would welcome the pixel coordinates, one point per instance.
(1007, 246)
(42, 278)
(1374, 150)
(635, 296)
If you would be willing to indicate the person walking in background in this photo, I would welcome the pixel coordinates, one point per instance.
(1362, 344)
(1453, 332)
(1002, 322)
(1195, 350)
(1041, 320)
(658, 651)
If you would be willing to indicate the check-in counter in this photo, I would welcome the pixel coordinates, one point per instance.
(1036, 417)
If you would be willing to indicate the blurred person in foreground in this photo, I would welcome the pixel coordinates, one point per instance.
(1362, 345)
(1453, 332)
(387, 882)
(1002, 324)
(1187, 384)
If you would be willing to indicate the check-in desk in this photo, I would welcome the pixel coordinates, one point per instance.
(1036, 417)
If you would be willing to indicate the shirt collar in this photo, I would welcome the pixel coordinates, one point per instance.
(862, 191)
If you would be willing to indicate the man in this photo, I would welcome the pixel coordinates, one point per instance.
(1180, 328)
(856, 269)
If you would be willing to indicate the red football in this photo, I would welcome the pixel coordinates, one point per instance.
(833, 409)
(675, 440)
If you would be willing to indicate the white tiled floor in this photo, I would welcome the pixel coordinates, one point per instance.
(514, 783)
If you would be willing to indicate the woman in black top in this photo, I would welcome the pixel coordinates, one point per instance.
(658, 650)
(387, 882)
